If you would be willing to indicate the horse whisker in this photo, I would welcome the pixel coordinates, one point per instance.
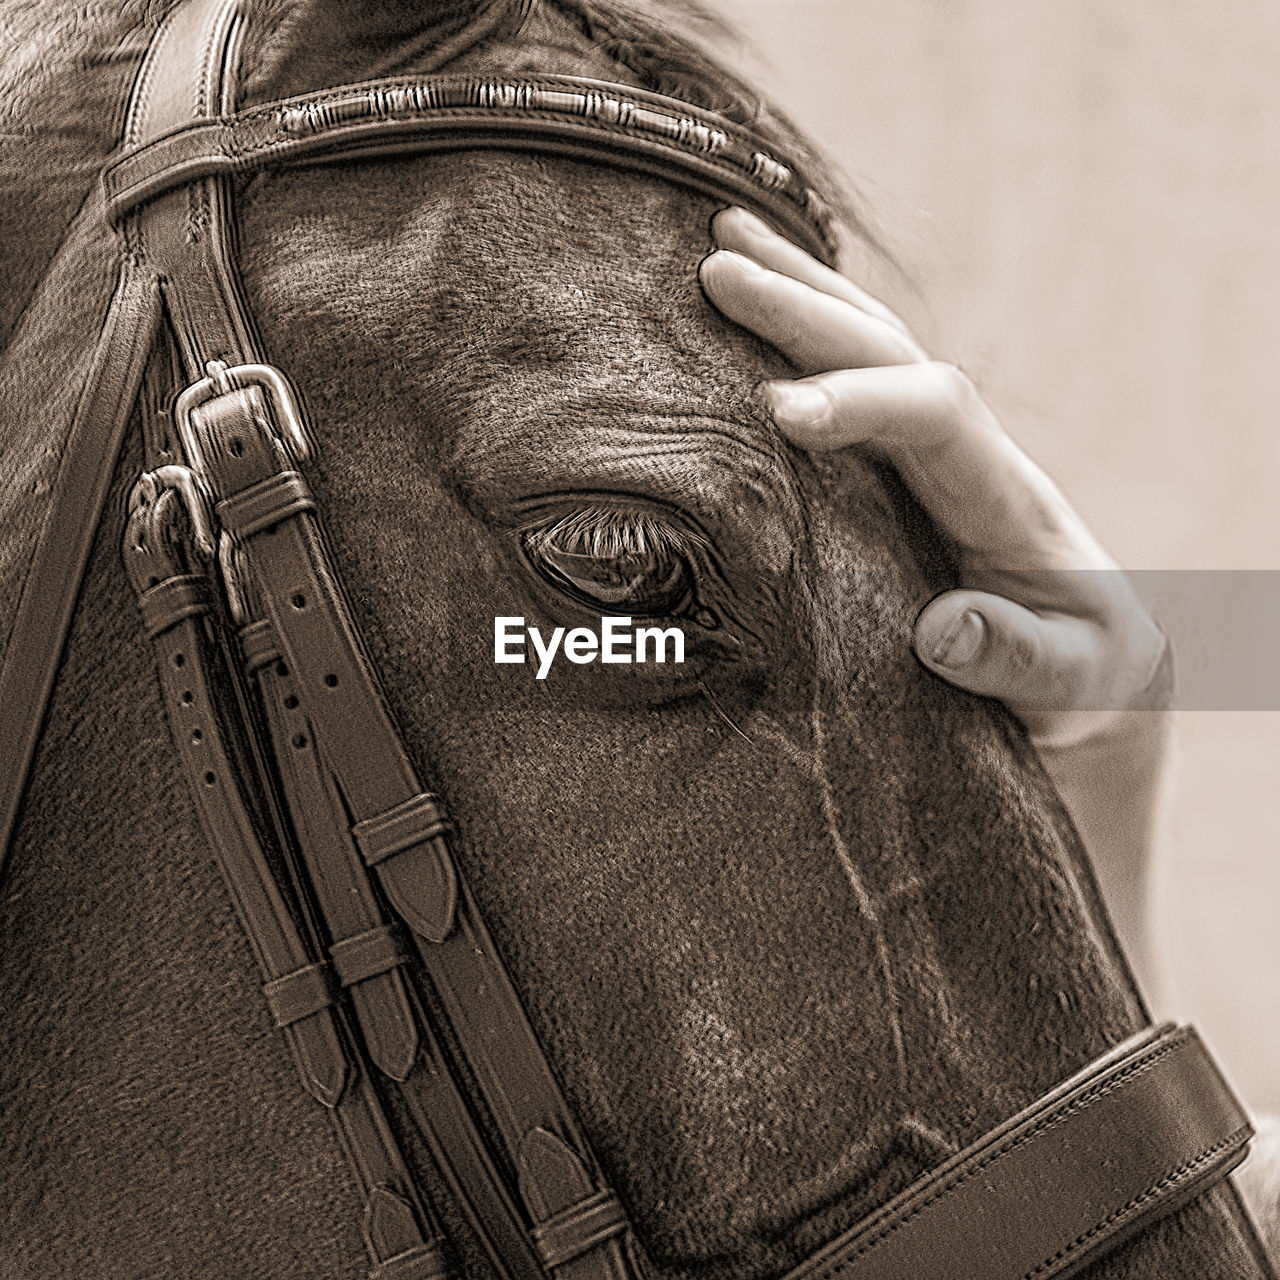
(716, 707)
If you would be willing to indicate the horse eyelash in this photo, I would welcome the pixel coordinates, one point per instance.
(610, 535)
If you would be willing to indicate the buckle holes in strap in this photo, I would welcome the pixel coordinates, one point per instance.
(188, 697)
(197, 735)
(179, 659)
(298, 600)
(300, 740)
(210, 778)
(291, 702)
(331, 680)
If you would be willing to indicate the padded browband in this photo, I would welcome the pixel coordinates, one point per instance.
(561, 115)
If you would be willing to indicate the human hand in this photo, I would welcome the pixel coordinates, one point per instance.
(1043, 618)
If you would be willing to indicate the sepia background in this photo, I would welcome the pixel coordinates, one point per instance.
(1084, 198)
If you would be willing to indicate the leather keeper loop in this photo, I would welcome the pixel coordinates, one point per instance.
(578, 1228)
(299, 994)
(368, 954)
(407, 825)
(264, 504)
(259, 645)
(169, 602)
(424, 1262)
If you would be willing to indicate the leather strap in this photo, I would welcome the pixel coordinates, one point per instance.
(569, 1234)
(1131, 1138)
(583, 119)
(54, 579)
(344, 897)
(185, 234)
(185, 74)
(396, 823)
(395, 1031)
(298, 990)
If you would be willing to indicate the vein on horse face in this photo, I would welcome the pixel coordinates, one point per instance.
(810, 757)
(865, 902)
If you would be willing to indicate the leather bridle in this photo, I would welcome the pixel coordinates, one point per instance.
(337, 856)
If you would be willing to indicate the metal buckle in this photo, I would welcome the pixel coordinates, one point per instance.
(220, 381)
(151, 484)
(231, 563)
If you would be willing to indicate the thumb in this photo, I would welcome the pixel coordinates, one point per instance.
(990, 645)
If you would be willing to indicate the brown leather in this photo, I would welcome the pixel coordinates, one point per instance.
(584, 119)
(185, 234)
(569, 1234)
(263, 504)
(343, 893)
(53, 581)
(404, 1238)
(1128, 1140)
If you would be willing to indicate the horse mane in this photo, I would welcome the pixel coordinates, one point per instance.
(686, 49)
(66, 71)
(676, 48)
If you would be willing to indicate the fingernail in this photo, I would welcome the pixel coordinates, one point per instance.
(740, 260)
(727, 259)
(746, 220)
(797, 403)
(959, 643)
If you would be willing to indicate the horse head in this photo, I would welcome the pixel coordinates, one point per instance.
(793, 920)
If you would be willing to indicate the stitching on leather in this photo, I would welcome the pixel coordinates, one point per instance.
(567, 84)
(233, 148)
(205, 66)
(968, 1172)
(146, 80)
(1168, 1182)
(521, 113)
(198, 208)
(716, 163)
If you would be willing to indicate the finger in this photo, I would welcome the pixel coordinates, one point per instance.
(997, 647)
(814, 330)
(744, 233)
(980, 488)
(1061, 674)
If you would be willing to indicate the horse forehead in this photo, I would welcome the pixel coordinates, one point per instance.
(542, 306)
(512, 258)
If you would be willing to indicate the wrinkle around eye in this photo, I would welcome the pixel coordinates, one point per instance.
(736, 482)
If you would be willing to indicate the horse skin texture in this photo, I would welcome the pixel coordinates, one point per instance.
(794, 920)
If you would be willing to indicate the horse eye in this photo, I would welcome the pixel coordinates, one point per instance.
(650, 582)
